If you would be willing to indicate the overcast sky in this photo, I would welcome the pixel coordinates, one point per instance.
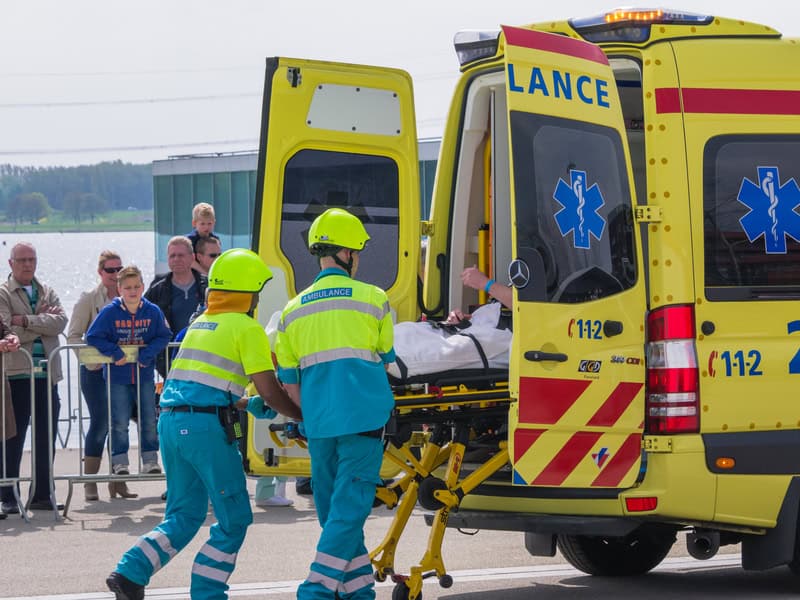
(82, 81)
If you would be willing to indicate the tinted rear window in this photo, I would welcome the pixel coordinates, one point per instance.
(573, 209)
(751, 222)
(365, 185)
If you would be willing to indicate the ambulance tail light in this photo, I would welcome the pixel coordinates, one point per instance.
(672, 395)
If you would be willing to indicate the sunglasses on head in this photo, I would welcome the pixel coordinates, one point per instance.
(213, 254)
(111, 270)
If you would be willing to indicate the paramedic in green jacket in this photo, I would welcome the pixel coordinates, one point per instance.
(334, 340)
(223, 350)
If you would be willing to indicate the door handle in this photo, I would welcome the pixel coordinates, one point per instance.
(539, 356)
(612, 328)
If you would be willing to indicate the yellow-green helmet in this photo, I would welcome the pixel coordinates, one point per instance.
(336, 228)
(238, 270)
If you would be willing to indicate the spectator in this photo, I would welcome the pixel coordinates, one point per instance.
(131, 320)
(36, 317)
(206, 251)
(203, 221)
(8, 426)
(93, 385)
(180, 292)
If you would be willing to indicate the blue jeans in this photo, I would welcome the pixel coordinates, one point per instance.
(123, 399)
(93, 386)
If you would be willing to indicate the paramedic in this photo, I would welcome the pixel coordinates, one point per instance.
(223, 349)
(333, 342)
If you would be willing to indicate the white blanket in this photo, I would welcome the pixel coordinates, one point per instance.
(425, 349)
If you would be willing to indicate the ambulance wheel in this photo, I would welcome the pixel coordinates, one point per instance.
(634, 554)
(401, 592)
(425, 496)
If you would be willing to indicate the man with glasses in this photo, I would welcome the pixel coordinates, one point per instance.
(179, 292)
(206, 252)
(34, 312)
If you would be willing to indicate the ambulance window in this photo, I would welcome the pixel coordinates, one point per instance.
(751, 227)
(366, 185)
(573, 209)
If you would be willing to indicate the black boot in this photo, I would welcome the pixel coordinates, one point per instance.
(124, 588)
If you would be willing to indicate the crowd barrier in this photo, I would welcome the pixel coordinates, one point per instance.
(5, 479)
(70, 392)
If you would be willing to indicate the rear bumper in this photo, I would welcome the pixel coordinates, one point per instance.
(547, 524)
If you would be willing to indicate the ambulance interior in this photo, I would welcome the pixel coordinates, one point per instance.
(481, 228)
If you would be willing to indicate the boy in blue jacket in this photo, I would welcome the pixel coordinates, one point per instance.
(131, 320)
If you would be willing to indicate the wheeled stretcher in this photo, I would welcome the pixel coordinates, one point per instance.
(448, 435)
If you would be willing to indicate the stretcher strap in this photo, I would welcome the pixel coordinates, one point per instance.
(479, 348)
(402, 367)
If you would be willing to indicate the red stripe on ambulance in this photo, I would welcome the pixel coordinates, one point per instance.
(544, 401)
(620, 463)
(728, 101)
(552, 42)
(573, 452)
(524, 439)
(616, 404)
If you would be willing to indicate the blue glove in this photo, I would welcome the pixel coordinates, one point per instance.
(259, 409)
(301, 428)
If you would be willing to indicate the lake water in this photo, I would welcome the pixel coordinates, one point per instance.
(68, 261)
(68, 264)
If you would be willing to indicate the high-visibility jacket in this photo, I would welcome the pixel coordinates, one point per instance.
(215, 359)
(334, 339)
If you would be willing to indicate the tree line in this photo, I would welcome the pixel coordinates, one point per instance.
(28, 194)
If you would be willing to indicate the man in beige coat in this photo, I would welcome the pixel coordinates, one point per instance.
(36, 316)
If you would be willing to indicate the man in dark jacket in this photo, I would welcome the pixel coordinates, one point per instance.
(180, 292)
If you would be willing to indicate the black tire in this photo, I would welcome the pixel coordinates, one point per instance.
(634, 554)
(401, 592)
(425, 496)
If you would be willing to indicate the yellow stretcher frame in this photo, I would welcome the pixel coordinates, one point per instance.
(423, 480)
(434, 421)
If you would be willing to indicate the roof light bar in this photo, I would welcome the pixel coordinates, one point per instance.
(472, 45)
(632, 24)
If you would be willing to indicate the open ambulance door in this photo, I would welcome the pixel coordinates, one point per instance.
(333, 135)
(577, 360)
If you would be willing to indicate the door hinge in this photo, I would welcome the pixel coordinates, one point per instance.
(657, 443)
(294, 76)
(426, 228)
(647, 214)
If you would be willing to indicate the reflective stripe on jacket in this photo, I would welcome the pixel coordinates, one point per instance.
(334, 338)
(219, 352)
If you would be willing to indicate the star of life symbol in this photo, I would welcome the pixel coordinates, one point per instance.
(579, 212)
(771, 213)
(601, 457)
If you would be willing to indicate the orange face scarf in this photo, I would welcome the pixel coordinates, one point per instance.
(225, 302)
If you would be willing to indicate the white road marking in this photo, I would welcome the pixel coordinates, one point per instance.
(467, 575)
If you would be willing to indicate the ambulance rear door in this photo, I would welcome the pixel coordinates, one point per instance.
(335, 135)
(577, 360)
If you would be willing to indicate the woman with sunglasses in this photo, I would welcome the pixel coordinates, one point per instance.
(93, 384)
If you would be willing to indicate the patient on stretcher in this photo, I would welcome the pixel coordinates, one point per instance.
(481, 342)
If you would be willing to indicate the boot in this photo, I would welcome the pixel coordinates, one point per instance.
(91, 465)
(120, 488)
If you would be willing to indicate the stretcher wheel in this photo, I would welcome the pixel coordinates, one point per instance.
(425, 496)
(401, 592)
(379, 576)
(446, 581)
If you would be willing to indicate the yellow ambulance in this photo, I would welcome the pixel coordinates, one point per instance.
(634, 176)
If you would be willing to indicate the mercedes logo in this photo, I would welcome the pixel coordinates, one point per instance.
(519, 273)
